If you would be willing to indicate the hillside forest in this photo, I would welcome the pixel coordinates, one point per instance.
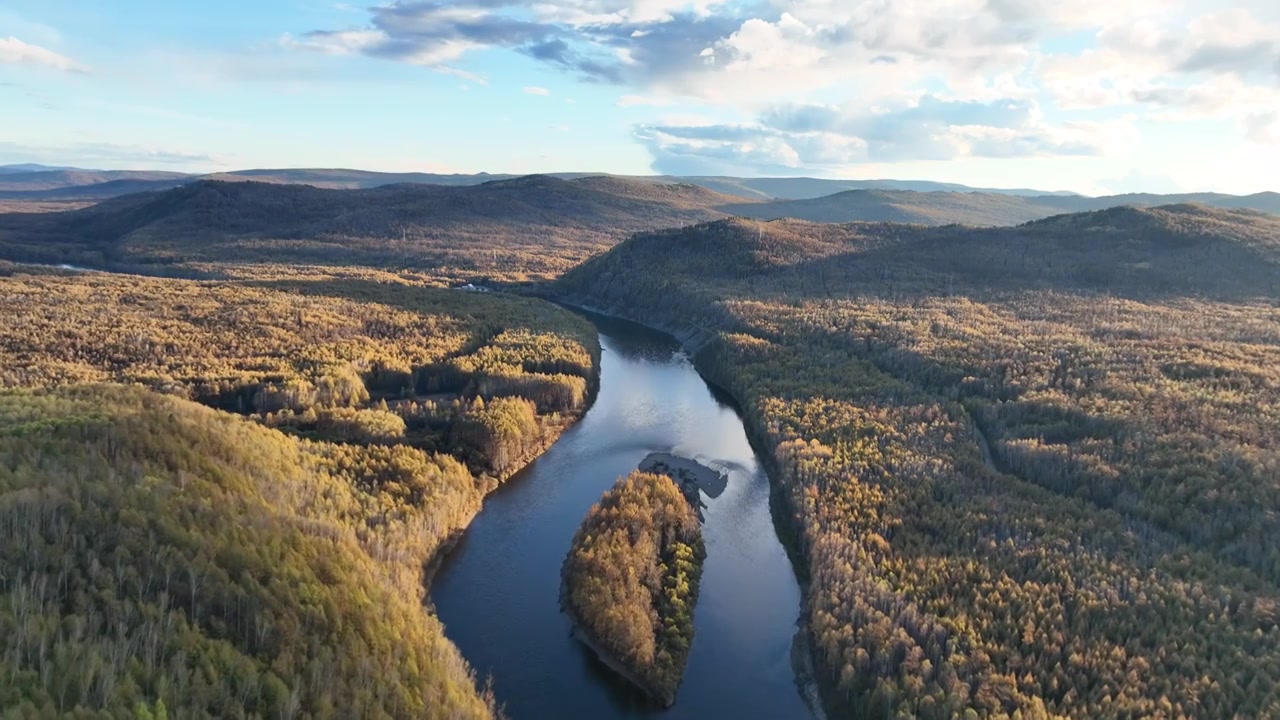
(511, 229)
(1027, 471)
(630, 581)
(219, 499)
(1031, 472)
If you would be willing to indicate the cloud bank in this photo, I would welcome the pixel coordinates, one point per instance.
(15, 51)
(817, 84)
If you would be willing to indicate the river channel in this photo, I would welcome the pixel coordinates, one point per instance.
(498, 590)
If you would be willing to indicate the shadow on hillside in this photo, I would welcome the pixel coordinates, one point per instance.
(961, 261)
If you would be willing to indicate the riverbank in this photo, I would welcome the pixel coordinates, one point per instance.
(580, 634)
(433, 563)
(695, 341)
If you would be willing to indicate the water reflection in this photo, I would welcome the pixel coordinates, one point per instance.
(498, 592)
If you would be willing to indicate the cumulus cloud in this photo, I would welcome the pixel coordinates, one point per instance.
(13, 50)
(1222, 65)
(792, 138)
(932, 79)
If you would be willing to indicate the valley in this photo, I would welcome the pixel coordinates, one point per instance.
(275, 431)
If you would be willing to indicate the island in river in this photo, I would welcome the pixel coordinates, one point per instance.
(630, 581)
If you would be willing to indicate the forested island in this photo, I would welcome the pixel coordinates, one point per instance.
(630, 581)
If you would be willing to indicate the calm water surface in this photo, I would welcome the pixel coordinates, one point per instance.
(498, 592)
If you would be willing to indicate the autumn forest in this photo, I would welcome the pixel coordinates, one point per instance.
(1024, 472)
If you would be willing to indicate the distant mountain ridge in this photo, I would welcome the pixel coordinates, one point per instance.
(538, 223)
(976, 208)
(19, 179)
(916, 202)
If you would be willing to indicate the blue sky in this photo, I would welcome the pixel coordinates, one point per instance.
(1088, 95)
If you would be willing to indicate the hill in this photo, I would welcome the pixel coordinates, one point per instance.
(16, 168)
(802, 188)
(537, 225)
(1028, 470)
(195, 564)
(1178, 250)
(166, 557)
(974, 208)
(74, 183)
(44, 183)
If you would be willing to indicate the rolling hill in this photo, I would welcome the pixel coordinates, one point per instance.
(538, 224)
(801, 188)
(816, 200)
(73, 183)
(974, 208)
(1019, 464)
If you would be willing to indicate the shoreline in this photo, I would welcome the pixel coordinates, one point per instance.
(579, 633)
(432, 564)
(803, 662)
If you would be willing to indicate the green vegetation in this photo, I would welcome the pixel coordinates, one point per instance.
(162, 557)
(356, 361)
(1114, 557)
(157, 553)
(631, 580)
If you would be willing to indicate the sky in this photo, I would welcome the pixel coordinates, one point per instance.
(1094, 96)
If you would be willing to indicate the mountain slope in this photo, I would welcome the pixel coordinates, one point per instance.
(30, 167)
(539, 224)
(802, 188)
(196, 564)
(974, 208)
(49, 180)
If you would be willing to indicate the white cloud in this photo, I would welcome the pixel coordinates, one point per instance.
(627, 101)
(823, 138)
(954, 78)
(1263, 128)
(533, 90)
(13, 50)
(342, 42)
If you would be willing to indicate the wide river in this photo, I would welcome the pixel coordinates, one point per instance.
(498, 591)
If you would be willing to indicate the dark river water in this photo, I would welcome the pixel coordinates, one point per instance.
(498, 591)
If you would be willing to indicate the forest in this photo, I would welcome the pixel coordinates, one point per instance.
(532, 227)
(1027, 472)
(219, 498)
(1031, 472)
(630, 580)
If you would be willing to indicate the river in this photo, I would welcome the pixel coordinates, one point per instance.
(498, 591)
